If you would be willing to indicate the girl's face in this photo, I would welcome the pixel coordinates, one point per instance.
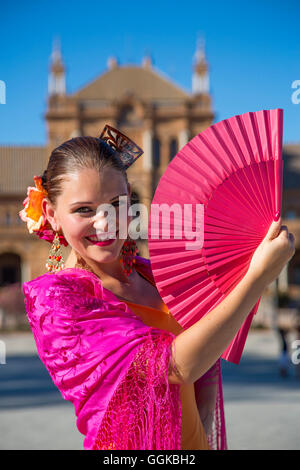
(76, 212)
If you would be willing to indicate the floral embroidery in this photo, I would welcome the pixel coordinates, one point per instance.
(92, 344)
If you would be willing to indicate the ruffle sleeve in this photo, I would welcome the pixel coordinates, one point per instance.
(106, 361)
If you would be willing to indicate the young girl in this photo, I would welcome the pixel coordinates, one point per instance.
(137, 379)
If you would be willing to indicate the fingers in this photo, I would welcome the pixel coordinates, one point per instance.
(274, 229)
(281, 231)
(289, 241)
(291, 238)
(284, 231)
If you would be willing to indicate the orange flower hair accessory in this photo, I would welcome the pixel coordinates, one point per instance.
(32, 213)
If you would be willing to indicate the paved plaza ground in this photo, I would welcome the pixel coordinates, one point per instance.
(262, 409)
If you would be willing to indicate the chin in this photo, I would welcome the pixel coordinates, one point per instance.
(102, 254)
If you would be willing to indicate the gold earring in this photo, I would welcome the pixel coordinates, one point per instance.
(55, 260)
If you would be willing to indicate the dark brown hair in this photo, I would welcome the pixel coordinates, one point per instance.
(77, 154)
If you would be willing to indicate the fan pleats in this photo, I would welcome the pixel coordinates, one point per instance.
(233, 172)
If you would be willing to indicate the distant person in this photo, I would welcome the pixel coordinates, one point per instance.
(284, 358)
(297, 353)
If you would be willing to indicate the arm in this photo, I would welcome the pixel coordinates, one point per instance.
(211, 335)
(196, 349)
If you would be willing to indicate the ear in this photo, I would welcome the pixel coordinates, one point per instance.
(50, 213)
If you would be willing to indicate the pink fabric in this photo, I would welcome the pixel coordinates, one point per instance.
(106, 361)
(233, 169)
(143, 404)
(89, 340)
(208, 388)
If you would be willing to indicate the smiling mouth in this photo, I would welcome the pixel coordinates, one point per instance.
(95, 239)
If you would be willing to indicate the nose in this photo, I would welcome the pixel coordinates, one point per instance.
(100, 222)
(104, 223)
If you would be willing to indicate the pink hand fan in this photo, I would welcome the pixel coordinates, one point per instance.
(225, 186)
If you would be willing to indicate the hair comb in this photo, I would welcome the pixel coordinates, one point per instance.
(129, 151)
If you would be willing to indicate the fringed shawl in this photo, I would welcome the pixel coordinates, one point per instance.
(110, 365)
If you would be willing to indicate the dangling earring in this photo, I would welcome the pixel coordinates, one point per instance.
(55, 259)
(128, 252)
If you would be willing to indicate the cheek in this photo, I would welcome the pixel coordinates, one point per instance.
(74, 226)
(128, 220)
(119, 221)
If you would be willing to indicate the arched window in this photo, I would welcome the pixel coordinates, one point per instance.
(8, 218)
(127, 116)
(156, 152)
(173, 148)
(10, 268)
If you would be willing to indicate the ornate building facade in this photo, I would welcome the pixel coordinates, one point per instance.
(139, 100)
(143, 103)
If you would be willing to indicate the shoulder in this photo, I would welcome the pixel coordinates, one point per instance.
(75, 280)
(62, 289)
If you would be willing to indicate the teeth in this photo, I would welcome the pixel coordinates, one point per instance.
(94, 238)
(99, 239)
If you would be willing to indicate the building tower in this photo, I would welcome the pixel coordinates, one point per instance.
(57, 76)
(200, 79)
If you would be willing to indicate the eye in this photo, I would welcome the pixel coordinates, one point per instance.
(83, 212)
(119, 203)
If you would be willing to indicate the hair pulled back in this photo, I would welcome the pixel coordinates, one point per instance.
(75, 155)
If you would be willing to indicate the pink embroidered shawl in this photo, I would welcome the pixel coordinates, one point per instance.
(111, 366)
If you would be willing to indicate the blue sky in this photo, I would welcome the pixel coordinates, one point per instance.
(253, 50)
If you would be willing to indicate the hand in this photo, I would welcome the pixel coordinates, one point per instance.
(276, 249)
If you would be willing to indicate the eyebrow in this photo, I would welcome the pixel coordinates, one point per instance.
(90, 202)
